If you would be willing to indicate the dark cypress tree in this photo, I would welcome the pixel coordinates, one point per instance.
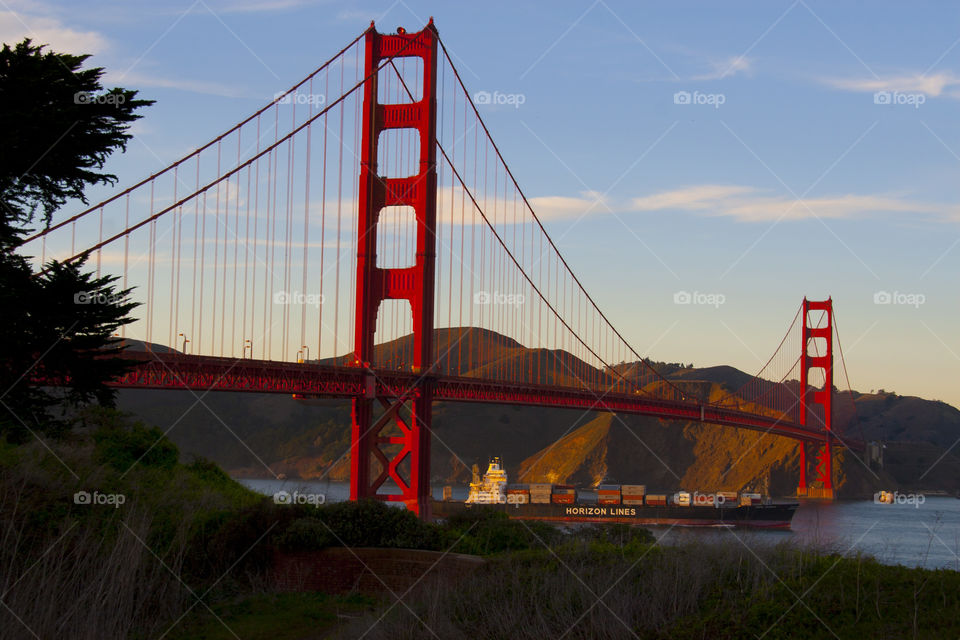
(59, 126)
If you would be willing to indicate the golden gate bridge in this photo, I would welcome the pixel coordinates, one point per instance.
(362, 237)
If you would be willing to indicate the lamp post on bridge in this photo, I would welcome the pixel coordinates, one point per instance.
(247, 344)
(185, 341)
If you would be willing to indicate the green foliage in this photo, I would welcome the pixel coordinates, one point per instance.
(488, 531)
(274, 616)
(616, 535)
(306, 534)
(122, 446)
(365, 523)
(209, 473)
(853, 596)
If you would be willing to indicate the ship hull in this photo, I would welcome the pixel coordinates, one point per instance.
(767, 516)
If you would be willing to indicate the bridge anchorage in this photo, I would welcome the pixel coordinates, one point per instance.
(415, 272)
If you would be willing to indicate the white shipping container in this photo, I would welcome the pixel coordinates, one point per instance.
(635, 489)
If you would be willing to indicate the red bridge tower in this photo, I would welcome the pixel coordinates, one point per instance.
(409, 409)
(812, 399)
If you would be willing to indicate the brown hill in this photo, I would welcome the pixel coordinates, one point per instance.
(251, 433)
(669, 455)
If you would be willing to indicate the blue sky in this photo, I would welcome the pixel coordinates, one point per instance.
(818, 152)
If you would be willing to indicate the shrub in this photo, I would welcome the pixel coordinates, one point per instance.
(123, 445)
(485, 531)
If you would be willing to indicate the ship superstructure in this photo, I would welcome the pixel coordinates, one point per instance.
(492, 488)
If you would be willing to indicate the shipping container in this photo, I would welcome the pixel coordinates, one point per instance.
(607, 500)
(540, 487)
(681, 499)
(562, 498)
(632, 500)
(608, 487)
(726, 498)
(587, 497)
(628, 496)
(656, 499)
(539, 499)
(447, 492)
(520, 497)
(750, 498)
(634, 489)
(704, 500)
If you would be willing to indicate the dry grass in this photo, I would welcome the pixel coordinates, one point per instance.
(79, 582)
(716, 590)
(581, 592)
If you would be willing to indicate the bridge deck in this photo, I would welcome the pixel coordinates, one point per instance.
(206, 373)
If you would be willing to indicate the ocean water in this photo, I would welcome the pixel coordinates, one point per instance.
(917, 534)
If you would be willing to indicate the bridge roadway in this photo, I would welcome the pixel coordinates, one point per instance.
(202, 373)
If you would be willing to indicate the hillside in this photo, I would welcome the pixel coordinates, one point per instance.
(267, 434)
(669, 455)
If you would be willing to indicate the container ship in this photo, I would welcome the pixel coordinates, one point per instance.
(610, 502)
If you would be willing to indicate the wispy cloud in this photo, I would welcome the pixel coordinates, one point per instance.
(944, 82)
(726, 68)
(560, 207)
(695, 198)
(749, 204)
(17, 25)
(742, 203)
(140, 80)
